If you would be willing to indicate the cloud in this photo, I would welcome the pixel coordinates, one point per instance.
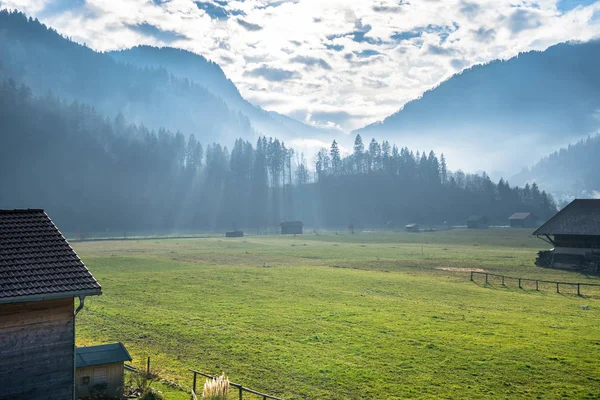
(217, 10)
(248, 26)
(311, 61)
(522, 19)
(146, 29)
(272, 74)
(484, 35)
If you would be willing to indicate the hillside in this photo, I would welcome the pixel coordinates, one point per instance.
(536, 102)
(185, 64)
(152, 92)
(573, 171)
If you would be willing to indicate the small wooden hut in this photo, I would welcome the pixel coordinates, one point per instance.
(477, 222)
(523, 220)
(234, 234)
(100, 370)
(412, 228)
(292, 228)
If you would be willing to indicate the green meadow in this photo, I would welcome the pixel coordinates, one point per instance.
(341, 316)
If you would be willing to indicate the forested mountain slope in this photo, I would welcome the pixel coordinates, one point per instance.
(570, 172)
(198, 69)
(536, 99)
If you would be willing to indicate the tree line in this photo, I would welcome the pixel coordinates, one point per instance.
(97, 174)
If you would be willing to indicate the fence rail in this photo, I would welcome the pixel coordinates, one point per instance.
(537, 281)
(240, 388)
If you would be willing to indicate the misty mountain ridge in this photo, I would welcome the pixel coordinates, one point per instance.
(570, 172)
(194, 97)
(507, 111)
(197, 68)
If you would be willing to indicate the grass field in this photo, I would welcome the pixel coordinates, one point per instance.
(366, 316)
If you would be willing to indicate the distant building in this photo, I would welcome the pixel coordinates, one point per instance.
(574, 232)
(412, 228)
(40, 275)
(100, 370)
(477, 222)
(292, 228)
(523, 220)
(234, 234)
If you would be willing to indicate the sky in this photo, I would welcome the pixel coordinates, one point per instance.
(330, 63)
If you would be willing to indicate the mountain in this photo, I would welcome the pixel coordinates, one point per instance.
(196, 68)
(537, 100)
(188, 94)
(571, 172)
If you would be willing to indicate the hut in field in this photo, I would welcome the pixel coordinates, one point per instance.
(412, 228)
(292, 228)
(100, 370)
(477, 222)
(574, 233)
(523, 220)
(234, 234)
(40, 275)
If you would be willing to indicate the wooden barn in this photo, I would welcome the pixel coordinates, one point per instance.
(477, 222)
(100, 370)
(574, 233)
(412, 228)
(40, 275)
(523, 220)
(234, 234)
(292, 228)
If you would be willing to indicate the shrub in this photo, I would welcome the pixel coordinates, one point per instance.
(216, 389)
(152, 394)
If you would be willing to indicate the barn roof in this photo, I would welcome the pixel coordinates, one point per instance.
(477, 218)
(520, 216)
(36, 261)
(291, 223)
(580, 217)
(101, 354)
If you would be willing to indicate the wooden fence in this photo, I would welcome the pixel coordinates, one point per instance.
(241, 389)
(537, 281)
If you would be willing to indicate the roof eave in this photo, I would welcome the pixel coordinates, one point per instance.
(50, 296)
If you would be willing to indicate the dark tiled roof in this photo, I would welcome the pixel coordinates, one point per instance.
(288, 223)
(36, 260)
(101, 354)
(580, 217)
(519, 216)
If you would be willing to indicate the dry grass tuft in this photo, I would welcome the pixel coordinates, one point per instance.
(216, 389)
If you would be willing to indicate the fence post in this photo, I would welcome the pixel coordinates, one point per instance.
(486, 278)
(503, 281)
(520, 284)
(557, 291)
(148, 370)
(194, 385)
(537, 287)
(471, 276)
(578, 291)
(241, 392)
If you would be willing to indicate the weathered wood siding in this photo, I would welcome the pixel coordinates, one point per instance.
(36, 350)
(113, 377)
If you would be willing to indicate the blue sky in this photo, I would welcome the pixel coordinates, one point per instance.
(330, 63)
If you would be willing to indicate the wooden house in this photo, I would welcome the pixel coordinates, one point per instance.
(100, 370)
(292, 228)
(234, 234)
(412, 228)
(574, 233)
(40, 275)
(477, 222)
(523, 220)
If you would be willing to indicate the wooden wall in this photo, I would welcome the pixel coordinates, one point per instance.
(36, 350)
(112, 374)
